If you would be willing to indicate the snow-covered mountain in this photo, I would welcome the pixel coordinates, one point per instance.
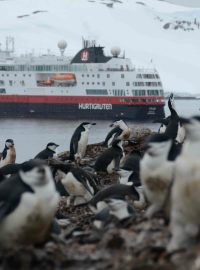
(188, 3)
(137, 26)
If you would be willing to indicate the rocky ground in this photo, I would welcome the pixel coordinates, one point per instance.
(137, 244)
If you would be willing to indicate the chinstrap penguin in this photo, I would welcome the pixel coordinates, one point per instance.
(117, 208)
(120, 131)
(175, 129)
(48, 152)
(79, 184)
(97, 203)
(79, 141)
(28, 203)
(8, 155)
(185, 199)
(110, 159)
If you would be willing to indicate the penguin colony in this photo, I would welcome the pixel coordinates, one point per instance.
(160, 179)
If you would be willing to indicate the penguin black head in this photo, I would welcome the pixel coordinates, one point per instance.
(32, 163)
(9, 143)
(52, 146)
(87, 124)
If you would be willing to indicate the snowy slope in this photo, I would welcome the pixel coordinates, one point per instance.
(189, 3)
(133, 26)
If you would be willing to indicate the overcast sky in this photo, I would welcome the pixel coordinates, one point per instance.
(189, 3)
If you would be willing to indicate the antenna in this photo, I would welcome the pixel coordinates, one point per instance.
(10, 44)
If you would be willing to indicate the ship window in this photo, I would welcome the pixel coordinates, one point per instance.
(7, 75)
(103, 83)
(88, 83)
(138, 83)
(92, 82)
(100, 92)
(29, 75)
(127, 83)
(139, 76)
(82, 75)
(15, 75)
(2, 91)
(10, 83)
(113, 83)
(24, 75)
(159, 84)
(98, 82)
(119, 92)
(151, 84)
(88, 75)
(157, 76)
(148, 76)
(98, 76)
(138, 92)
(1, 82)
(2, 75)
(82, 82)
(152, 92)
(122, 75)
(108, 75)
(161, 92)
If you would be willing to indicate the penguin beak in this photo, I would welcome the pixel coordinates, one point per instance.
(111, 125)
(57, 145)
(93, 124)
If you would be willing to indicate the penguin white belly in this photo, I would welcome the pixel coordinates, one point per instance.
(110, 167)
(82, 144)
(156, 182)
(185, 203)
(181, 134)
(10, 157)
(186, 190)
(31, 220)
(74, 187)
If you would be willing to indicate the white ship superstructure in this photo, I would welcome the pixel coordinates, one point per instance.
(89, 85)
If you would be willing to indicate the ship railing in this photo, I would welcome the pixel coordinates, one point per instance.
(115, 69)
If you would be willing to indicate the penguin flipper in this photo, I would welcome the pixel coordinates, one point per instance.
(117, 162)
(5, 209)
(74, 145)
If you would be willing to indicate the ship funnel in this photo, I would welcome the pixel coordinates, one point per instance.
(115, 51)
(62, 45)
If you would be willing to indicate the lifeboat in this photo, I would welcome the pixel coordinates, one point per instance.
(46, 83)
(64, 78)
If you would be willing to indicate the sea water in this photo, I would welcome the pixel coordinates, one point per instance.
(32, 135)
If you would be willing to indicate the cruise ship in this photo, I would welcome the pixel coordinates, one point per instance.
(90, 85)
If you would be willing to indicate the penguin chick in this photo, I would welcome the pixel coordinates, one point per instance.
(156, 172)
(185, 199)
(97, 203)
(28, 203)
(79, 184)
(79, 141)
(110, 159)
(48, 152)
(8, 154)
(120, 131)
